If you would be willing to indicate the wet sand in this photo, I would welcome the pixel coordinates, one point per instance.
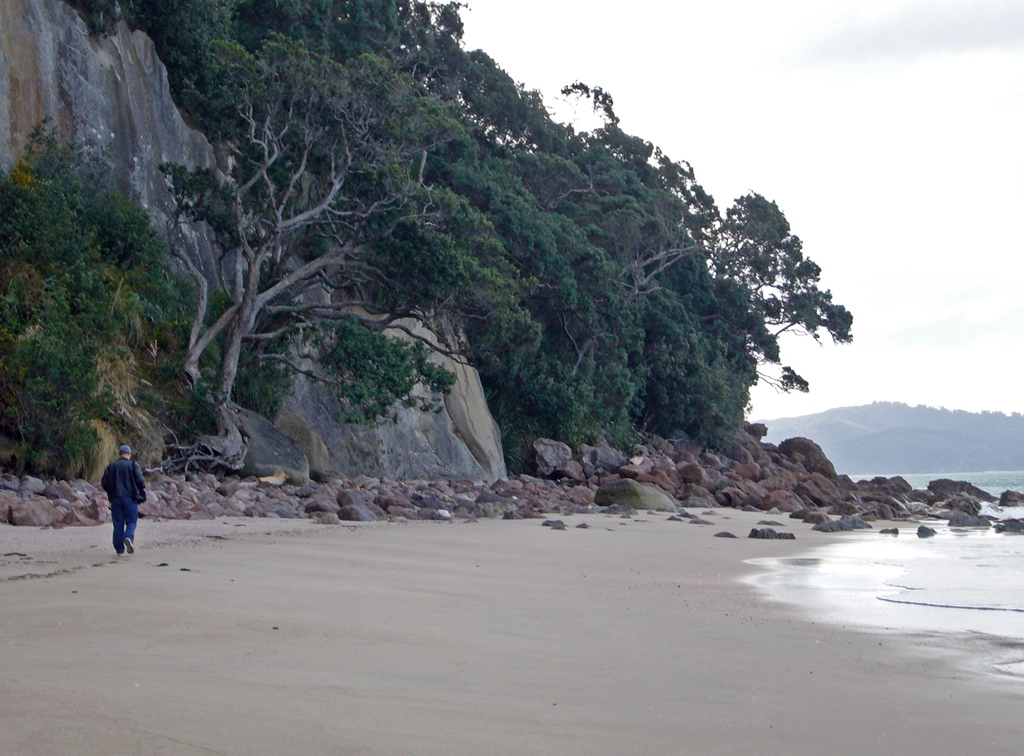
(240, 636)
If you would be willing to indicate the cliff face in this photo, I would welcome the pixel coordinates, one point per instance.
(460, 441)
(111, 94)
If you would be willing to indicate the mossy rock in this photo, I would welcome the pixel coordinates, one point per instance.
(299, 431)
(633, 494)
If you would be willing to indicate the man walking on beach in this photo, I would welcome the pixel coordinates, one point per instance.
(125, 487)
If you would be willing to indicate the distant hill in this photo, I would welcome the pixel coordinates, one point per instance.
(890, 438)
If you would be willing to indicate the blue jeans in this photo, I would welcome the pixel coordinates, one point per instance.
(125, 513)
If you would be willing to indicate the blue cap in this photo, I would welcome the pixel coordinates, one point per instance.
(125, 449)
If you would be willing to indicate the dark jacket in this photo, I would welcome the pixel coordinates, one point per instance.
(123, 478)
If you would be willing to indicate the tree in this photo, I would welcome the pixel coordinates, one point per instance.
(324, 170)
(81, 293)
(370, 160)
(756, 249)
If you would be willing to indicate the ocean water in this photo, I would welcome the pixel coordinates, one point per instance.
(959, 594)
(993, 482)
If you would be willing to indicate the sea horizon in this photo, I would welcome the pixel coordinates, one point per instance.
(993, 482)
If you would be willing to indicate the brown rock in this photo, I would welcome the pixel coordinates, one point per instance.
(657, 478)
(229, 487)
(32, 485)
(320, 504)
(784, 501)
(32, 512)
(711, 460)
(783, 481)
(634, 471)
(693, 474)
(697, 491)
(356, 513)
(809, 454)
(819, 490)
(757, 431)
(845, 507)
(76, 517)
(895, 486)
(348, 497)
(97, 510)
(571, 470)
(408, 513)
(883, 512)
(697, 502)
(961, 503)
(749, 471)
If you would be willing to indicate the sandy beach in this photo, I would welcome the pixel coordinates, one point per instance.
(632, 636)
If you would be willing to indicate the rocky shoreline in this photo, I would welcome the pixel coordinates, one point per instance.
(794, 478)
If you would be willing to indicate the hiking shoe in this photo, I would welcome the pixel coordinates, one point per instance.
(128, 546)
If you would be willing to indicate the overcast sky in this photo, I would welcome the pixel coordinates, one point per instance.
(890, 133)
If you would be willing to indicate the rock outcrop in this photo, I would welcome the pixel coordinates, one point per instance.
(270, 452)
(109, 94)
(416, 445)
(710, 480)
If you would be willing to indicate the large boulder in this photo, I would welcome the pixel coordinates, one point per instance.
(693, 474)
(782, 481)
(32, 485)
(1011, 499)
(270, 451)
(783, 501)
(944, 488)
(748, 471)
(819, 490)
(964, 520)
(808, 454)
(550, 456)
(627, 492)
(894, 486)
(32, 511)
(307, 440)
(600, 460)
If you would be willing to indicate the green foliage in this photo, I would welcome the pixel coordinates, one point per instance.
(262, 386)
(599, 289)
(81, 286)
(372, 373)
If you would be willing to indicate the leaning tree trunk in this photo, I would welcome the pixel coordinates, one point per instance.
(230, 445)
(225, 450)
